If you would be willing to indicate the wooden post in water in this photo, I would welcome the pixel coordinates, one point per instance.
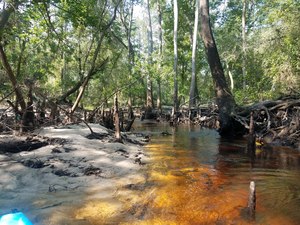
(252, 199)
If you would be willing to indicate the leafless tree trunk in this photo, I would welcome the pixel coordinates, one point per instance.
(192, 100)
(150, 51)
(127, 23)
(175, 96)
(160, 54)
(244, 43)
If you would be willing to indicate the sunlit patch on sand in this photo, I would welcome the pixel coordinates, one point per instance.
(97, 212)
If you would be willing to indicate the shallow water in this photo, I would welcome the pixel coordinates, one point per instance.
(198, 178)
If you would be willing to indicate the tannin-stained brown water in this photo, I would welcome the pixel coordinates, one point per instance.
(198, 178)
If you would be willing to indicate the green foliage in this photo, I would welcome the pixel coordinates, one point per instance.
(53, 43)
(272, 47)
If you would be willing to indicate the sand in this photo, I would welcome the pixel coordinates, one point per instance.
(74, 180)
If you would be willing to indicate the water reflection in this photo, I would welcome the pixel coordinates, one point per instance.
(202, 179)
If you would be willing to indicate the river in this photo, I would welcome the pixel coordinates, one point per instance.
(196, 177)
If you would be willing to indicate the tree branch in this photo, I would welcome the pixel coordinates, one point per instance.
(79, 83)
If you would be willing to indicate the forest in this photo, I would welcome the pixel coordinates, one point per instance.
(230, 65)
(151, 54)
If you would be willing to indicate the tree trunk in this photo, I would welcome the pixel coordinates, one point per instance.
(224, 98)
(83, 87)
(12, 78)
(149, 93)
(150, 51)
(160, 55)
(158, 102)
(192, 100)
(230, 77)
(117, 119)
(4, 17)
(63, 69)
(175, 96)
(28, 115)
(244, 43)
(131, 61)
(20, 59)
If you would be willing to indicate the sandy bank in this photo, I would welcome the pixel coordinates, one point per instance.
(74, 179)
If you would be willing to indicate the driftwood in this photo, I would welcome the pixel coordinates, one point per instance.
(277, 121)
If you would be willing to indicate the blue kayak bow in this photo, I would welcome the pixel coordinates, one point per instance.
(17, 218)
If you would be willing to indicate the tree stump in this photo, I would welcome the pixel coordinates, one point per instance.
(252, 200)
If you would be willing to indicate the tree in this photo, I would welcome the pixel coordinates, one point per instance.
(4, 17)
(150, 51)
(224, 98)
(93, 67)
(13, 80)
(175, 97)
(244, 42)
(276, 45)
(192, 99)
(126, 14)
(160, 39)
